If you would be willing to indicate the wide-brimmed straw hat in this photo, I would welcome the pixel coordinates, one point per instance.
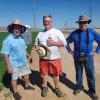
(15, 23)
(83, 18)
(44, 52)
(27, 26)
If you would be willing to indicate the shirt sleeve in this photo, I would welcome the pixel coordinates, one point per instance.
(5, 47)
(69, 40)
(62, 38)
(97, 39)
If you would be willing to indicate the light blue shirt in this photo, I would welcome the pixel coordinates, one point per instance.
(15, 48)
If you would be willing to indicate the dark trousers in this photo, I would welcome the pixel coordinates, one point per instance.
(89, 69)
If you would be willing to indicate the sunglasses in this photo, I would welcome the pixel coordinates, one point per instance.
(17, 27)
(83, 23)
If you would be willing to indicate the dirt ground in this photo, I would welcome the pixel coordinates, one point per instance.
(67, 81)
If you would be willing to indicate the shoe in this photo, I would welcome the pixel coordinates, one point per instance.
(93, 96)
(29, 88)
(59, 93)
(77, 91)
(17, 96)
(44, 92)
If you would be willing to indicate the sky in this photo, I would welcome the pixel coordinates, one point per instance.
(64, 12)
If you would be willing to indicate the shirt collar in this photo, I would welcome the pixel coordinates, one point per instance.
(16, 37)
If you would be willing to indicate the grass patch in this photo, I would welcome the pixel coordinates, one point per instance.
(2, 71)
(2, 63)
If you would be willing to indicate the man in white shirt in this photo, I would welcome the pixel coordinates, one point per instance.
(53, 39)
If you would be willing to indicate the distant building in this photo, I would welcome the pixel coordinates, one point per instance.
(3, 29)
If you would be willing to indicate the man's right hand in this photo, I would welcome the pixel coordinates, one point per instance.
(36, 47)
(9, 69)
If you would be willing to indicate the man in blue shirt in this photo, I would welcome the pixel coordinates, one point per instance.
(83, 54)
(14, 51)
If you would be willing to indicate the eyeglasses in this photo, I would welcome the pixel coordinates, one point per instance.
(47, 21)
(83, 23)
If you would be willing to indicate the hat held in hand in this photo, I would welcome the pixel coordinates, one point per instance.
(44, 52)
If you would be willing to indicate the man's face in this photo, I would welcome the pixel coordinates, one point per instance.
(47, 22)
(17, 30)
(83, 25)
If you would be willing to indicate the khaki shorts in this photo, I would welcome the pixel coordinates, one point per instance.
(20, 71)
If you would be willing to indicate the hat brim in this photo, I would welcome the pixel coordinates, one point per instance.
(48, 52)
(10, 28)
(89, 21)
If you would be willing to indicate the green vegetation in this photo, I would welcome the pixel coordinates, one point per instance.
(2, 36)
(2, 63)
(2, 71)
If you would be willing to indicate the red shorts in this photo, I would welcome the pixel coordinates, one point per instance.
(50, 66)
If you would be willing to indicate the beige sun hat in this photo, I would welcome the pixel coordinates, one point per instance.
(16, 22)
(83, 18)
(44, 52)
(27, 26)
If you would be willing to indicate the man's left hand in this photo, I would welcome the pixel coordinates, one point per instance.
(94, 54)
(50, 42)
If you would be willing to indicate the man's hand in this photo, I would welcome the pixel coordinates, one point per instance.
(9, 68)
(50, 42)
(94, 54)
(36, 47)
(72, 53)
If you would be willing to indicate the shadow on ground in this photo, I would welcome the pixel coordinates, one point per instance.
(35, 78)
(67, 82)
(6, 79)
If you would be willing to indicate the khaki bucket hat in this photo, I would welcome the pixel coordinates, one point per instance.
(83, 18)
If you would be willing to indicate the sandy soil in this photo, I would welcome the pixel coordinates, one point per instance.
(67, 81)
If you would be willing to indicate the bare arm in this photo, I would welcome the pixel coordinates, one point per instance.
(53, 43)
(9, 67)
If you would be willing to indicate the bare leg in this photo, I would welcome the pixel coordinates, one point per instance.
(45, 80)
(15, 92)
(58, 92)
(28, 86)
(45, 88)
(14, 85)
(26, 80)
(56, 81)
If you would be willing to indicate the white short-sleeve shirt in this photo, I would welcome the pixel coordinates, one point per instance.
(56, 35)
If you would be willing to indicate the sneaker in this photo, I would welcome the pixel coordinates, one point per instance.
(29, 88)
(94, 96)
(44, 92)
(77, 91)
(59, 93)
(17, 96)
